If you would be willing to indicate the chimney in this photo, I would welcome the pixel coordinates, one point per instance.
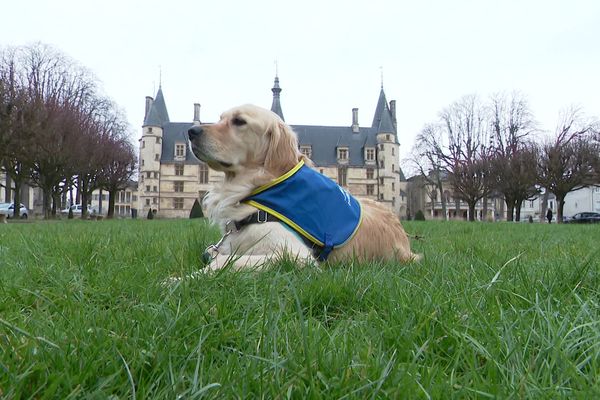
(393, 111)
(196, 114)
(355, 127)
(149, 101)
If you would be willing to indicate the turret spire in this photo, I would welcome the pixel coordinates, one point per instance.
(276, 105)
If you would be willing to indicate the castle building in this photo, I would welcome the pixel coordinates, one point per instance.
(364, 160)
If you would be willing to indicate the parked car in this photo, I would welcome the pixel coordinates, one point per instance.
(8, 209)
(583, 218)
(77, 210)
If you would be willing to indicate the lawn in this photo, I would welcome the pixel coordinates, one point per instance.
(494, 310)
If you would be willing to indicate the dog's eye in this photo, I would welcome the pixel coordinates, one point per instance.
(237, 121)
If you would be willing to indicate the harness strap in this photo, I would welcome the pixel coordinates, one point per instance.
(261, 217)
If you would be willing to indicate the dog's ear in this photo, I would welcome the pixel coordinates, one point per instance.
(282, 154)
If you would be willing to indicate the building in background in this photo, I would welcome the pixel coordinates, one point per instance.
(362, 159)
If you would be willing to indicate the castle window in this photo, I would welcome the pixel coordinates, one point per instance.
(393, 186)
(381, 164)
(178, 186)
(370, 173)
(381, 146)
(203, 173)
(392, 151)
(147, 202)
(387, 137)
(179, 151)
(143, 144)
(342, 174)
(154, 189)
(393, 166)
(156, 175)
(306, 151)
(147, 188)
(178, 204)
(381, 181)
(148, 174)
(150, 130)
(154, 200)
(158, 140)
(380, 196)
(156, 157)
(142, 163)
(342, 154)
(370, 189)
(370, 154)
(393, 201)
(179, 169)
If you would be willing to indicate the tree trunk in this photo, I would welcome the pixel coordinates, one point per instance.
(518, 210)
(17, 200)
(47, 196)
(472, 211)
(8, 189)
(112, 194)
(55, 201)
(510, 211)
(84, 200)
(457, 208)
(485, 209)
(560, 204)
(78, 194)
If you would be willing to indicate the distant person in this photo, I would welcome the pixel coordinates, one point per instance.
(549, 215)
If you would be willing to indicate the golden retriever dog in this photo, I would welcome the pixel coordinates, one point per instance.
(253, 147)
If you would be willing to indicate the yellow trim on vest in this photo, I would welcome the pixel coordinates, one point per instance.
(278, 180)
(287, 221)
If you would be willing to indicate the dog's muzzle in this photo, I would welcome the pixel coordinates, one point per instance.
(195, 132)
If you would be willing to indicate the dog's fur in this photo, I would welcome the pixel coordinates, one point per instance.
(253, 146)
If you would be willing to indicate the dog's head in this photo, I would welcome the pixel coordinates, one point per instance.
(246, 137)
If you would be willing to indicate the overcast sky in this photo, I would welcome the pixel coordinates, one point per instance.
(222, 54)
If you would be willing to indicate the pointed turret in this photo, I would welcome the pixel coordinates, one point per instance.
(276, 106)
(157, 114)
(381, 108)
(386, 124)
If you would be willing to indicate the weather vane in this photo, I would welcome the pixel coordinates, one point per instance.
(381, 72)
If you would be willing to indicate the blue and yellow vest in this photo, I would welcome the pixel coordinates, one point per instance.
(312, 204)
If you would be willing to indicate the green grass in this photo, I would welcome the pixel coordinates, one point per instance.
(493, 311)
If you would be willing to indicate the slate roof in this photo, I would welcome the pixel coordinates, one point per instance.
(157, 115)
(176, 132)
(324, 141)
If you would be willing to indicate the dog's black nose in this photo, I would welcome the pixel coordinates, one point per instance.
(194, 132)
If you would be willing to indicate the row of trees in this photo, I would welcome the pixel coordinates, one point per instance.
(495, 149)
(57, 131)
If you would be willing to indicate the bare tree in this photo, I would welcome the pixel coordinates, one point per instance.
(569, 161)
(118, 171)
(467, 152)
(512, 151)
(427, 156)
(15, 130)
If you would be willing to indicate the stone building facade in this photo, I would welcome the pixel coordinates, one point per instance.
(364, 160)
